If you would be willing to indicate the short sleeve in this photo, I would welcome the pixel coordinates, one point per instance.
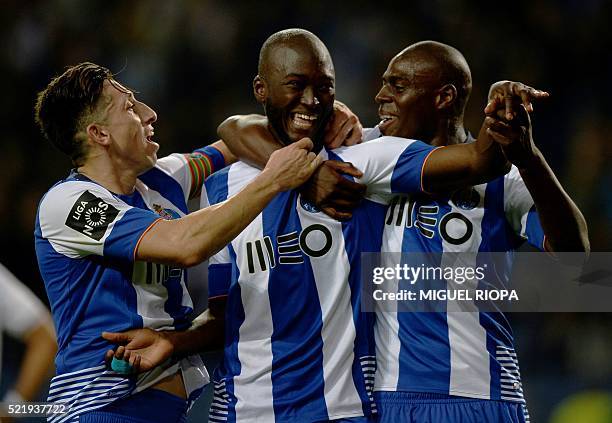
(219, 273)
(191, 170)
(82, 218)
(520, 210)
(389, 165)
(20, 310)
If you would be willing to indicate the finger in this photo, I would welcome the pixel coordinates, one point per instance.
(136, 363)
(337, 133)
(349, 189)
(304, 143)
(491, 106)
(509, 100)
(116, 338)
(347, 130)
(109, 356)
(345, 167)
(120, 352)
(355, 136)
(344, 203)
(335, 214)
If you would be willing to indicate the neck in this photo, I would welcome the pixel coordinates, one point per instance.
(110, 177)
(449, 132)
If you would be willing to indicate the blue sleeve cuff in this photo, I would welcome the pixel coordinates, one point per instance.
(408, 171)
(217, 159)
(219, 279)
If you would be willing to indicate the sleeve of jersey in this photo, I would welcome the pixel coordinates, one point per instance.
(191, 170)
(219, 274)
(81, 219)
(389, 165)
(21, 310)
(520, 210)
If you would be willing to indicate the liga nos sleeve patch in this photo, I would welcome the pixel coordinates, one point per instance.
(90, 215)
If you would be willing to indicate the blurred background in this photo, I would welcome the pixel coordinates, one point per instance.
(193, 62)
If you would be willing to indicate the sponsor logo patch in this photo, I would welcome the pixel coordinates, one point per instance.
(90, 215)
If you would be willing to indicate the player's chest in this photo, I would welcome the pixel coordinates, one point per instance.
(454, 221)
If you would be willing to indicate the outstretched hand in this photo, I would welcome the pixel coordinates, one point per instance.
(144, 348)
(506, 93)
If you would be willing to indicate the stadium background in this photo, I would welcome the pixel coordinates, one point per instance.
(193, 62)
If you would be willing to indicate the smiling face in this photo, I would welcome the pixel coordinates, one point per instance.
(297, 90)
(407, 99)
(128, 124)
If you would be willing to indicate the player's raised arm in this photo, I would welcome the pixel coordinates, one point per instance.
(195, 237)
(456, 166)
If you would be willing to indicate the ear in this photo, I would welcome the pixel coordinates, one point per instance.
(259, 89)
(446, 97)
(98, 134)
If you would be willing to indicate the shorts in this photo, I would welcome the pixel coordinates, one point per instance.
(148, 406)
(408, 407)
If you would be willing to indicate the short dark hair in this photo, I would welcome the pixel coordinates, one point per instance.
(64, 108)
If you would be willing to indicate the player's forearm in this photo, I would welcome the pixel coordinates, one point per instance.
(248, 138)
(457, 166)
(37, 361)
(192, 239)
(205, 334)
(562, 221)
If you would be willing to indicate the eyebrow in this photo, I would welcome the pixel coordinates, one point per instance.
(301, 75)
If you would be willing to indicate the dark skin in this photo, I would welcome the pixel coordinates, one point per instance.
(415, 102)
(278, 91)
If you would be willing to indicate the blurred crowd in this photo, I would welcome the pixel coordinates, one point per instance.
(193, 62)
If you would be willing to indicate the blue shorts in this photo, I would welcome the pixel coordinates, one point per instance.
(148, 406)
(352, 420)
(407, 407)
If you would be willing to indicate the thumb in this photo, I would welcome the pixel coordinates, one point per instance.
(304, 143)
(117, 338)
(346, 168)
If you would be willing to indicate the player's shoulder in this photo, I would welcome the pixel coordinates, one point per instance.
(228, 180)
(60, 194)
(73, 195)
(377, 146)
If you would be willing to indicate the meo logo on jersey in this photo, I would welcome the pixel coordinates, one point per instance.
(314, 241)
(426, 218)
(91, 215)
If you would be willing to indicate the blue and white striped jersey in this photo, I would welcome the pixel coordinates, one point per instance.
(297, 346)
(86, 238)
(468, 354)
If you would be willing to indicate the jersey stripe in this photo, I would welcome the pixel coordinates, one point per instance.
(338, 329)
(469, 365)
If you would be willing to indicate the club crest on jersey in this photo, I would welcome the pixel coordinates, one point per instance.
(167, 214)
(466, 199)
(309, 207)
(90, 215)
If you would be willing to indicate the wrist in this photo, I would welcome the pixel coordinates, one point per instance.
(268, 183)
(533, 162)
(172, 340)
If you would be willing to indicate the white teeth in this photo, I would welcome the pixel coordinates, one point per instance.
(305, 117)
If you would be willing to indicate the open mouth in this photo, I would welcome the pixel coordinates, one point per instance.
(303, 121)
(386, 121)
